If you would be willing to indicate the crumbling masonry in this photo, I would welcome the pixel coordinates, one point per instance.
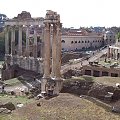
(41, 55)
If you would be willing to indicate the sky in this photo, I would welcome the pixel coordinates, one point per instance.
(73, 13)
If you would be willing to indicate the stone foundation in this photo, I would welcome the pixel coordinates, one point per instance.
(51, 86)
(28, 63)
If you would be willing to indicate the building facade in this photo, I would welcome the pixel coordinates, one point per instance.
(81, 41)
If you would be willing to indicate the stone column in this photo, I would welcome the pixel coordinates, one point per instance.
(35, 44)
(20, 41)
(108, 54)
(6, 40)
(42, 37)
(47, 57)
(27, 42)
(13, 40)
(58, 54)
(111, 53)
(54, 51)
(116, 54)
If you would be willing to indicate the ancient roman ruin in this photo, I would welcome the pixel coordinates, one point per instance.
(41, 55)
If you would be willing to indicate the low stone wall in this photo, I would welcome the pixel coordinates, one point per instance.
(28, 63)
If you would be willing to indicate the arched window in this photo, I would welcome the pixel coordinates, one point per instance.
(71, 42)
(82, 41)
(75, 41)
(79, 42)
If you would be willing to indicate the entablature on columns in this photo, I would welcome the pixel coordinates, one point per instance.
(23, 22)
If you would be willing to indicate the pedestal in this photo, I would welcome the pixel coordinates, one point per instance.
(51, 86)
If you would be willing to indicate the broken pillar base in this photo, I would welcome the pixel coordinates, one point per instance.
(51, 86)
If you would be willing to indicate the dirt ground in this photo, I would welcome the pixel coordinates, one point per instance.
(63, 107)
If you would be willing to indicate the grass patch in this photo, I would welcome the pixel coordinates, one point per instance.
(15, 100)
(84, 77)
(13, 82)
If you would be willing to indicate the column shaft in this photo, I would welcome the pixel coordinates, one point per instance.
(108, 54)
(58, 45)
(35, 44)
(6, 40)
(54, 51)
(13, 41)
(27, 42)
(20, 41)
(47, 57)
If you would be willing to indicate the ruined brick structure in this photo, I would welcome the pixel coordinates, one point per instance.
(31, 53)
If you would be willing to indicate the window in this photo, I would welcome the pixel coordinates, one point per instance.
(93, 40)
(82, 41)
(88, 41)
(75, 41)
(85, 41)
(79, 42)
(71, 42)
(63, 41)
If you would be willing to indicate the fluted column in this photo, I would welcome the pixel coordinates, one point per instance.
(13, 40)
(108, 54)
(54, 51)
(58, 56)
(20, 41)
(35, 44)
(111, 53)
(27, 42)
(47, 50)
(6, 40)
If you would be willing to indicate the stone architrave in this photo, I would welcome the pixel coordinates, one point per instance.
(6, 40)
(20, 41)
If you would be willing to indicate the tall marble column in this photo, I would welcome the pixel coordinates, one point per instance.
(20, 41)
(58, 45)
(6, 40)
(35, 44)
(47, 50)
(47, 58)
(27, 42)
(13, 40)
(54, 51)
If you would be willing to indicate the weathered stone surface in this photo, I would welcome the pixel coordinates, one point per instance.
(9, 106)
(116, 95)
(116, 109)
(38, 104)
(5, 111)
(99, 91)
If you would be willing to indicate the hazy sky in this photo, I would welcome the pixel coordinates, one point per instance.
(74, 13)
